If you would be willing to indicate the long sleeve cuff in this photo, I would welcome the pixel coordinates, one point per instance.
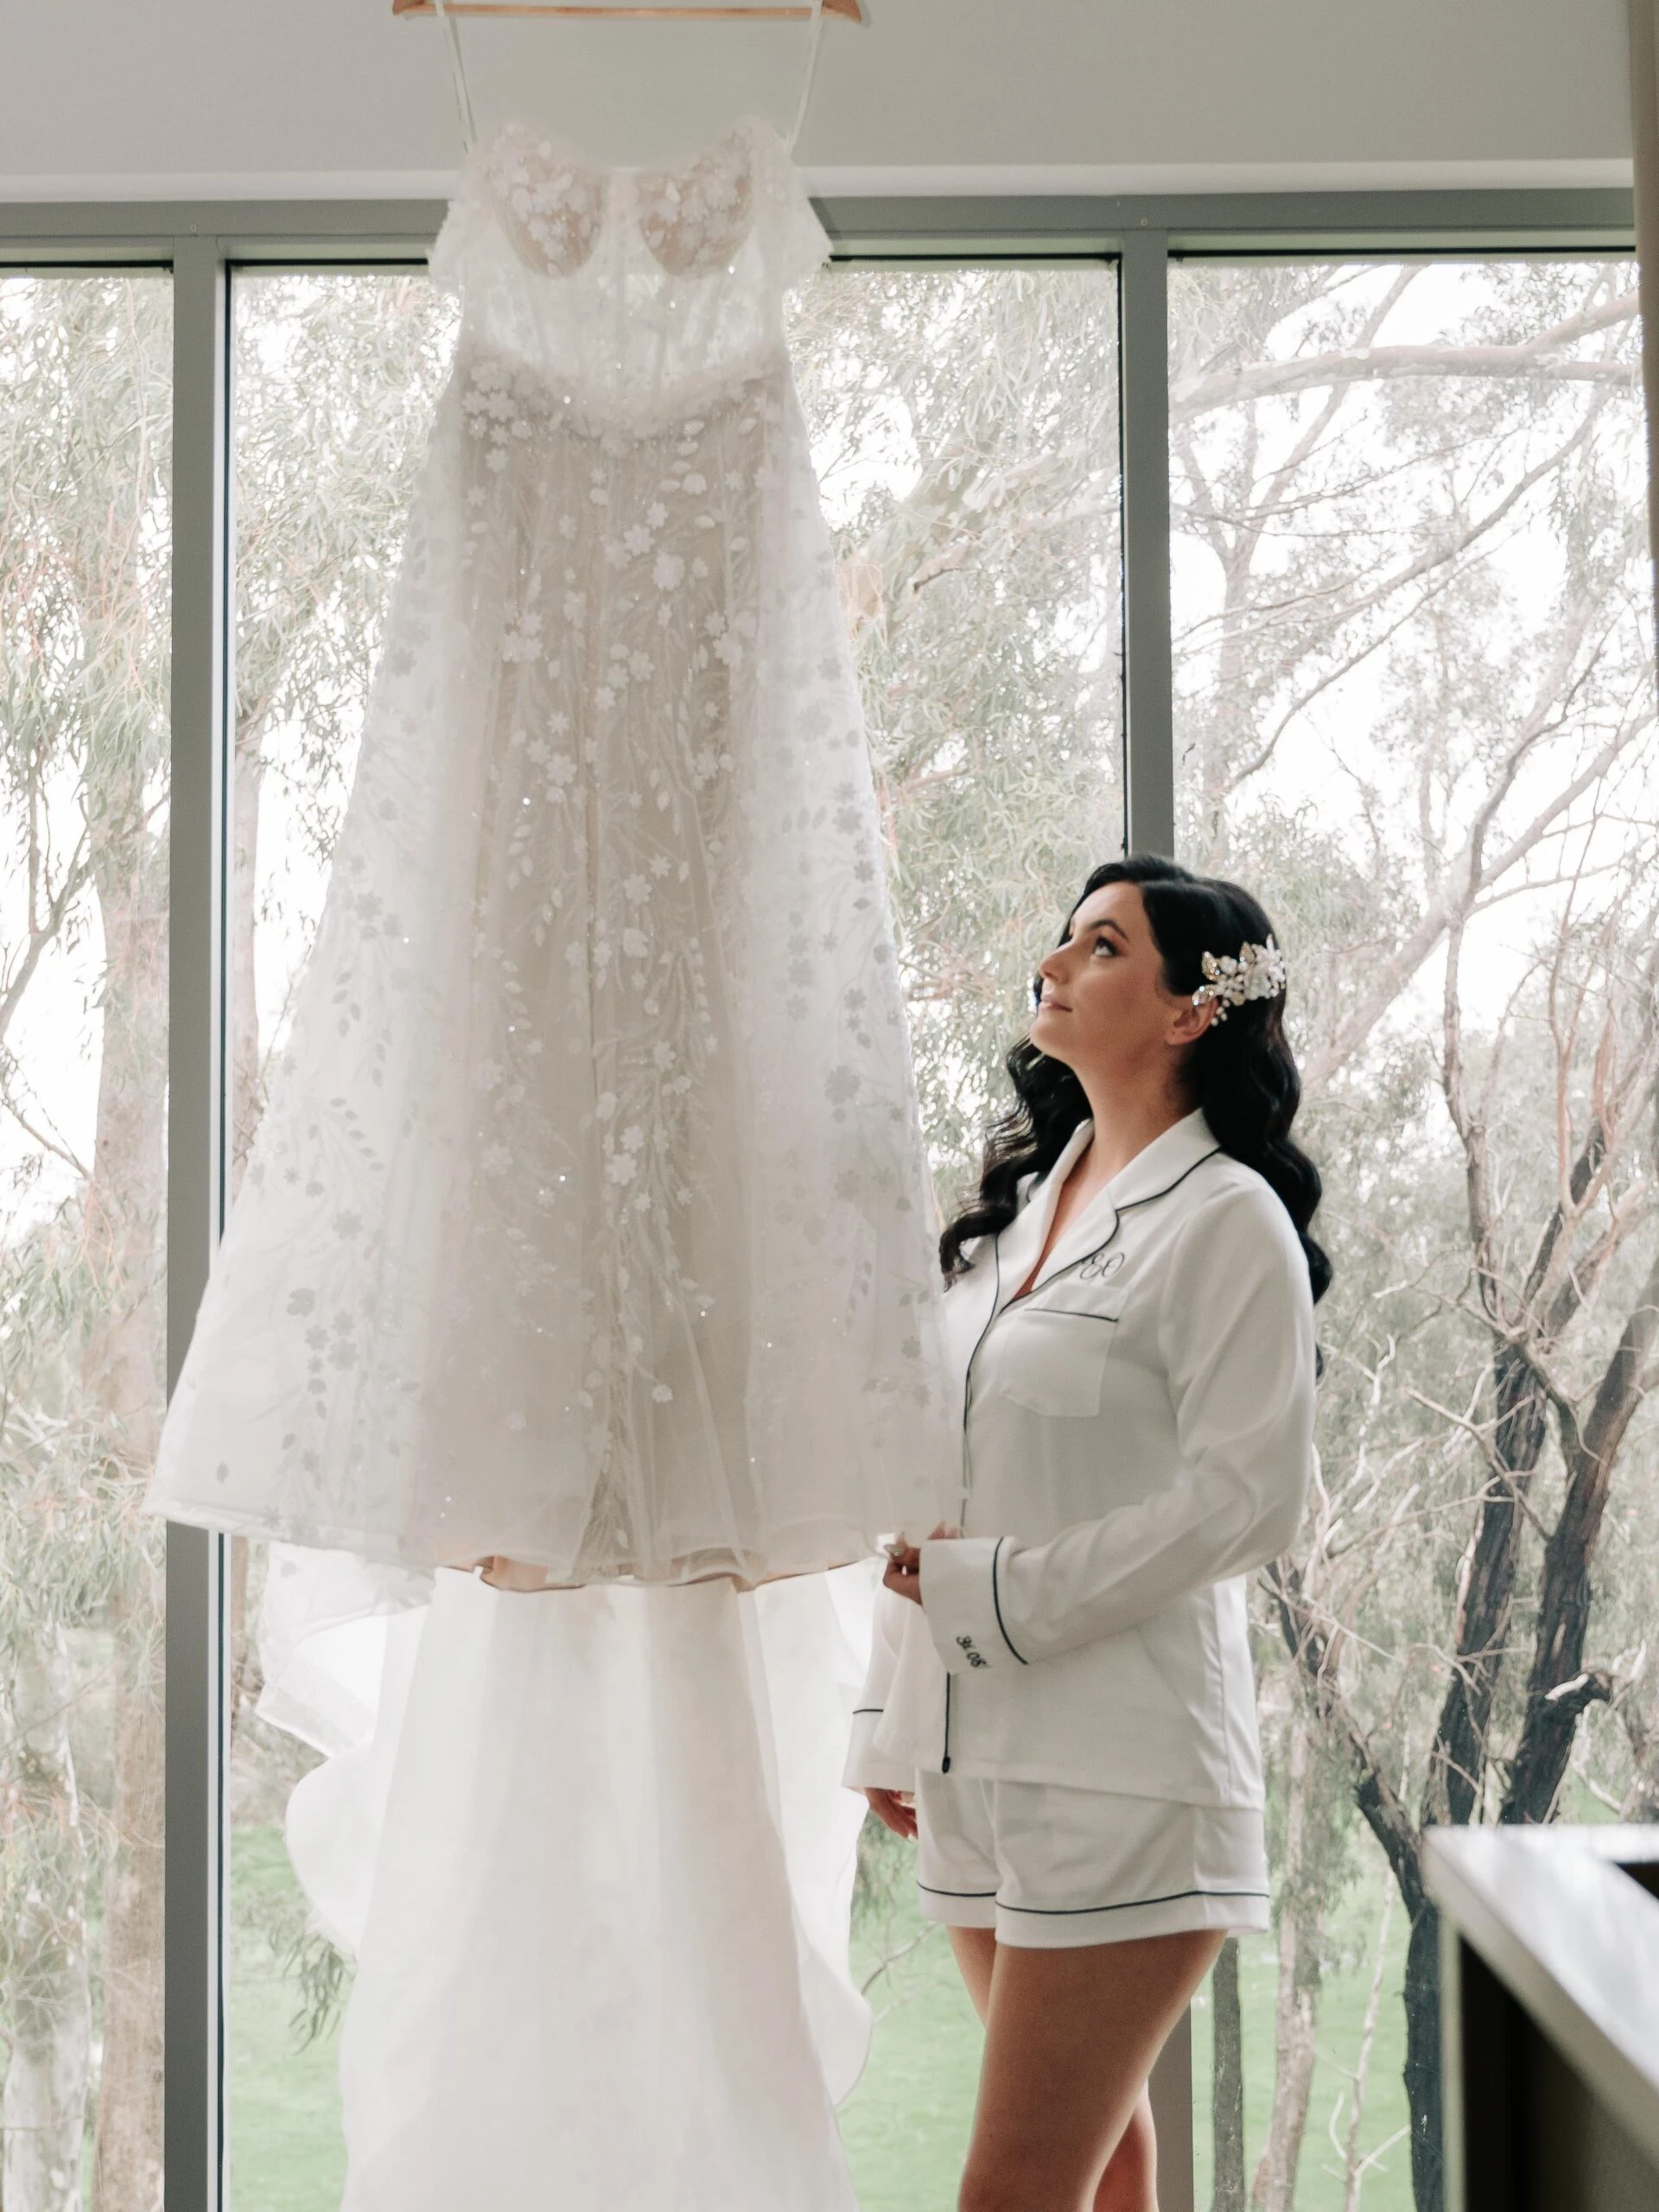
(869, 1769)
(962, 1604)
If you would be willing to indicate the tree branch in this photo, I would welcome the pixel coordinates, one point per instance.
(1377, 1800)
(42, 934)
(1539, 358)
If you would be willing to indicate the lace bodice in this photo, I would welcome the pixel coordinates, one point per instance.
(642, 290)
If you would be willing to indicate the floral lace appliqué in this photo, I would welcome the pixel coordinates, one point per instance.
(553, 210)
(696, 220)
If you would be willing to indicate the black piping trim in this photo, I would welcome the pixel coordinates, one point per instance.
(857, 1709)
(1066, 1312)
(1129, 1904)
(1127, 1206)
(932, 1892)
(997, 1602)
(967, 1397)
(968, 1373)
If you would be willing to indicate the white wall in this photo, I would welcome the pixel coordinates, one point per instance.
(160, 98)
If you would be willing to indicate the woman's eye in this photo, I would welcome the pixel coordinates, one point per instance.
(1104, 944)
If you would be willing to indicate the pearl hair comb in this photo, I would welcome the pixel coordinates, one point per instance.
(1259, 972)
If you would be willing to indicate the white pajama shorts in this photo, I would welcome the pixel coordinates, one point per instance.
(1051, 1867)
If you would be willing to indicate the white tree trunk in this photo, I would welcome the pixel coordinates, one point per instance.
(1355, 2166)
(48, 1990)
(1296, 2005)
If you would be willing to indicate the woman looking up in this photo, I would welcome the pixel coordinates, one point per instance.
(1060, 1705)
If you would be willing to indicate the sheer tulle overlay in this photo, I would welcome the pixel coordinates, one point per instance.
(596, 1865)
(587, 1225)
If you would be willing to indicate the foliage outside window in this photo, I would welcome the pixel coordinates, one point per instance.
(85, 376)
(1414, 710)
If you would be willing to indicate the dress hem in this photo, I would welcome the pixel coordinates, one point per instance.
(772, 1561)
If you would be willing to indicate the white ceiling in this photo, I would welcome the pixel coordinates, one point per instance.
(214, 98)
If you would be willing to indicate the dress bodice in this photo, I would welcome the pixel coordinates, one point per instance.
(639, 290)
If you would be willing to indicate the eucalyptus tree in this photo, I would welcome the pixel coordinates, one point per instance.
(1419, 713)
(965, 430)
(85, 431)
(1414, 710)
(324, 480)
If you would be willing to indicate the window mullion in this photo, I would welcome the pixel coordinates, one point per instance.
(1148, 720)
(1150, 827)
(195, 1579)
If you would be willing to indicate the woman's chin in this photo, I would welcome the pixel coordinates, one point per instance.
(1047, 1034)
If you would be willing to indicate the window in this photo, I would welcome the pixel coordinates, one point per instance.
(85, 423)
(972, 480)
(964, 429)
(1414, 710)
(334, 379)
(1412, 683)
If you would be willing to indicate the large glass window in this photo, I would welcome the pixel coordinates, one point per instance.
(85, 378)
(965, 427)
(1414, 710)
(333, 384)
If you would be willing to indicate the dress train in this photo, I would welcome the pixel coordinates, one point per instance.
(596, 1865)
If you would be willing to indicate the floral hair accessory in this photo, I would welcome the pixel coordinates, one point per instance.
(1259, 972)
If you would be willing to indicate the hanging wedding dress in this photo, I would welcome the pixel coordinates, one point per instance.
(586, 1231)
(586, 1225)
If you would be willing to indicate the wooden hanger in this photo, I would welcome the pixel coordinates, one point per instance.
(594, 11)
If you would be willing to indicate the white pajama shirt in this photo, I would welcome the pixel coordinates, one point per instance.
(1137, 1437)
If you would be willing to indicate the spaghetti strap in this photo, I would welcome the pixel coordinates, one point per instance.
(458, 77)
(815, 38)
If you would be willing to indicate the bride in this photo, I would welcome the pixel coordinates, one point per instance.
(1060, 1706)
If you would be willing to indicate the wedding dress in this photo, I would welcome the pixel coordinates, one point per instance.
(587, 1225)
(587, 1229)
(592, 1859)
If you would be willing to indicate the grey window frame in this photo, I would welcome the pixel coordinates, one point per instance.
(203, 243)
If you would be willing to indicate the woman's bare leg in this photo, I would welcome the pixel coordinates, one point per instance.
(976, 1950)
(1130, 2181)
(1071, 2037)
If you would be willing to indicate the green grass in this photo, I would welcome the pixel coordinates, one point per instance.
(286, 2152)
(906, 2125)
(1387, 2185)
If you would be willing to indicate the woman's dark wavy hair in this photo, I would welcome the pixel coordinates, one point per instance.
(1241, 1072)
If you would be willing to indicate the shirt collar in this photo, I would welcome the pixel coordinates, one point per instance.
(1156, 1168)
(1160, 1165)
(1025, 1236)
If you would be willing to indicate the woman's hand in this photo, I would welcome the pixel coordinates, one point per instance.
(894, 1809)
(903, 1574)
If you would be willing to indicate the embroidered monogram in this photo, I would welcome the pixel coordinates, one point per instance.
(1100, 1266)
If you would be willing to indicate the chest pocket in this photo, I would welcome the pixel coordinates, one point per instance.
(1054, 1361)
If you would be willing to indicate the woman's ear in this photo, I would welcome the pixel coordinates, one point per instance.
(1187, 1022)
